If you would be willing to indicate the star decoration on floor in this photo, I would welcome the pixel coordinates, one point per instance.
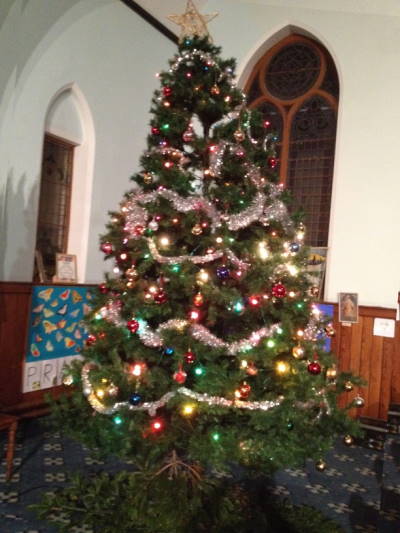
(192, 22)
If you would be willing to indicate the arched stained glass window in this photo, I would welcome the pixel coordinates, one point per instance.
(295, 86)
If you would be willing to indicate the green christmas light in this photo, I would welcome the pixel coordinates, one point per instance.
(165, 127)
(300, 305)
(199, 371)
(117, 420)
(238, 307)
(176, 268)
(270, 343)
(215, 436)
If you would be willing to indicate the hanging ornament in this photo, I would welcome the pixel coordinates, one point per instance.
(106, 247)
(188, 135)
(298, 352)
(272, 162)
(279, 290)
(314, 291)
(267, 124)
(132, 273)
(239, 135)
(314, 368)
(155, 130)
(135, 399)
(243, 392)
(320, 465)
(237, 274)
(132, 325)
(103, 288)
(167, 91)
(197, 229)
(251, 369)
(348, 386)
(160, 297)
(68, 380)
(202, 277)
(138, 230)
(169, 351)
(190, 357)
(153, 225)
(238, 307)
(180, 376)
(330, 330)
(348, 440)
(294, 247)
(198, 299)
(148, 178)
(215, 90)
(289, 425)
(331, 373)
(240, 152)
(90, 340)
(223, 272)
(358, 401)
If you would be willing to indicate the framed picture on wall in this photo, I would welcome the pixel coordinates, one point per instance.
(348, 307)
(316, 266)
(65, 269)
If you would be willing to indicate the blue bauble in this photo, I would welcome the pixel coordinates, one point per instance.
(294, 247)
(169, 351)
(223, 272)
(135, 399)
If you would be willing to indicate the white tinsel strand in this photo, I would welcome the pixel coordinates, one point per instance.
(248, 215)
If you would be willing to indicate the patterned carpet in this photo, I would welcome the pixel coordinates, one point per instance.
(360, 488)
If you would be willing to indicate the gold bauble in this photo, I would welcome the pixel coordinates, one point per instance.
(320, 465)
(348, 386)
(215, 89)
(348, 440)
(132, 273)
(239, 136)
(298, 352)
(331, 373)
(147, 177)
(68, 380)
(197, 229)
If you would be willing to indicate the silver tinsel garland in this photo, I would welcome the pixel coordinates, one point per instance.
(217, 401)
(137, 216)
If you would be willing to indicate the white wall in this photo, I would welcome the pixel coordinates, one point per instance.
(97, 48)
(112, 55)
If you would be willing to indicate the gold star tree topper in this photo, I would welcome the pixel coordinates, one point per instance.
(192, 22)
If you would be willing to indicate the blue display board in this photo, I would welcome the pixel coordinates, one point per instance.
(56, 332)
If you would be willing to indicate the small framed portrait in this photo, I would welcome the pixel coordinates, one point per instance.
(348, 307)
(65, 269)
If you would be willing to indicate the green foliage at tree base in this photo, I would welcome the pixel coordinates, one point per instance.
(141, 502)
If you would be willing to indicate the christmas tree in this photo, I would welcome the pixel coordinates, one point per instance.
(205, 347)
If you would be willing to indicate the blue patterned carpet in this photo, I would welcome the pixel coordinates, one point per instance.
(360, 488)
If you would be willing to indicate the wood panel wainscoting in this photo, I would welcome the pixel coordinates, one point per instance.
(376, 359)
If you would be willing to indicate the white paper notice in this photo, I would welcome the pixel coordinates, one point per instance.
(384, 327)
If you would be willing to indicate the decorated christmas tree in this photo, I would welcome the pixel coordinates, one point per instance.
(205, 349)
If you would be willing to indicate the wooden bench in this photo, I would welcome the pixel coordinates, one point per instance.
(11, 423)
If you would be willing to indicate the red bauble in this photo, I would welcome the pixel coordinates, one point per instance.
(314, 368)
(106, 247)
(198, 300)
(272, 162)
(279, 290)
(180, 376)
(132, 325)
(138, 230)
(190, 357)
(244, 390)
(167, 91)
(103, 288)
(90, 340)
(155, 130)
(160, 297)
(267, 123)
(188, 135)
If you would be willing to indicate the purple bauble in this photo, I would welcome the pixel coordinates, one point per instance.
(223, 272)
